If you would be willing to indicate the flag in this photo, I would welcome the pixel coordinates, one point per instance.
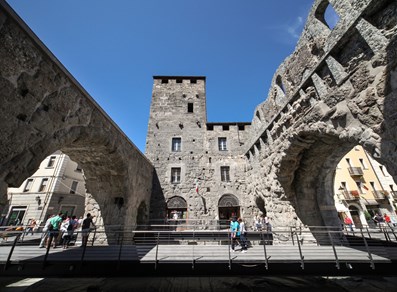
(365, 187)
(197, 188)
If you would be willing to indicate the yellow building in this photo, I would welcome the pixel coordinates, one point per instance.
(359, 193)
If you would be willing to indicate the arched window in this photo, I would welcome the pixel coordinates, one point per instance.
(228, 201)
(176, 203)
(327, 14)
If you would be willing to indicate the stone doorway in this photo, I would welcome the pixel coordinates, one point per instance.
(228, 207)
(177, 208)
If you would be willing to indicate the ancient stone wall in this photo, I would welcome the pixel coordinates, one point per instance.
(199, 157)
(44, 109)
(335, 91)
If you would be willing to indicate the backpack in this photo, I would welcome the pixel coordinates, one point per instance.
(70, 226)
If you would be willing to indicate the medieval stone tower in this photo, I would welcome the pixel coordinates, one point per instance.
(200, 166)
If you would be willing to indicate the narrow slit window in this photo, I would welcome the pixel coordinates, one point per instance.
(190, 107)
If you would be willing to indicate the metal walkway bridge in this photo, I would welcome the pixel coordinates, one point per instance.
(185, 250)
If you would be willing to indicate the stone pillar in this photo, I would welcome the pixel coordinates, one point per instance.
(337, 70)
(373, 36)
(321, 87)
(269, 137)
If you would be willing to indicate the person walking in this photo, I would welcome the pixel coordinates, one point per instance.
(55, 224)
(243, 235)
(72, 225)
(31, 226)
(86, 228)
(45, 233)
(234, 233)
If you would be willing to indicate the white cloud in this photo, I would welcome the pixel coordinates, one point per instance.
(295, 29)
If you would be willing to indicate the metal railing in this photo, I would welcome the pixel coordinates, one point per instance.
(356, 171)
(149, 238)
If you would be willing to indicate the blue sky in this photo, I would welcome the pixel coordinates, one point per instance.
(113, 48)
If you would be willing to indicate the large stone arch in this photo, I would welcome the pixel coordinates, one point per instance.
(45, 109)
(340, 96)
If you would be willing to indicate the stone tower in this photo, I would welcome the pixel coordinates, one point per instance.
(200, 166)
(175, 140)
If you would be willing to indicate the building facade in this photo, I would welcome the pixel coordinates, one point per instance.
(200, 166)
(363, 188)
(58, 185)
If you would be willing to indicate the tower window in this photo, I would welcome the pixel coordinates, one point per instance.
(225, 173)
(193, 81)
(222, 144)
(175, 175)
(176, 144)
(190, 107)
(164, 81)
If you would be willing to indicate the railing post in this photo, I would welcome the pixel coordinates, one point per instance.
(121, 246)
(193, 260)
(292, 235)
(369, 233)
(334, 249)
(265, 251)
(84, 248)
(93, 238)
(11, 251)
(369, 253)
(229, 234)
(300, 252)
(50, 239)
(157, 250)
(392, 230)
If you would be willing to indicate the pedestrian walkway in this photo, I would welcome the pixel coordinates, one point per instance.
(202, 252)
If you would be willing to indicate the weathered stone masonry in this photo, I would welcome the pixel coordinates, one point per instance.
(338, 89)
(44, 109)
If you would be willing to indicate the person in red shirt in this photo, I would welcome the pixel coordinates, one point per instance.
(349, 223)
(387, 218)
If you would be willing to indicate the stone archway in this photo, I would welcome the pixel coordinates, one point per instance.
(177, 205)
(45, 109)
(340, 91)
(228, 207)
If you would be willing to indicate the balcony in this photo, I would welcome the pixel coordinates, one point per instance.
(380, 194)
(351, 195)
(356, 171)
